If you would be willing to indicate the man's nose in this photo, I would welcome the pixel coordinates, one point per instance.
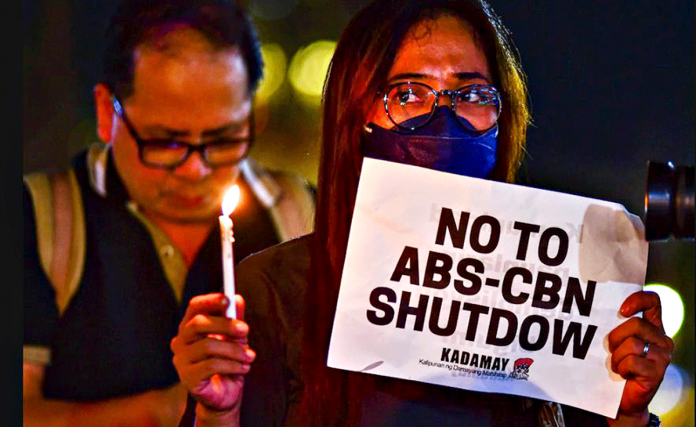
(194, 168)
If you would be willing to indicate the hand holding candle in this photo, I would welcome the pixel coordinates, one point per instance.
(229, 202)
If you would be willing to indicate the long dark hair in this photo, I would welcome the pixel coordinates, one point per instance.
(360, 66)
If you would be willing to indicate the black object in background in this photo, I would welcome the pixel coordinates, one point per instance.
(669, 201)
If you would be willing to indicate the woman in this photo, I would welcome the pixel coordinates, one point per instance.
(434, 84)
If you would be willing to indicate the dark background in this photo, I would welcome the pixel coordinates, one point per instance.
(611, 84)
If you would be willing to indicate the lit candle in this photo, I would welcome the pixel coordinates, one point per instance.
(229, 202)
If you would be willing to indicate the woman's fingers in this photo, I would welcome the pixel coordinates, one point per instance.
(203, 370)
(212, 348)
(210, 304)
(205, 315)
(196, 375)
(644, 377)
(635, 366)
(201, 325)
(642, 330)
(633, 347)
(198, 355)
(213, 304)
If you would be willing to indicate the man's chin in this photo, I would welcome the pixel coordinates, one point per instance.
(191, 216)
(193, 220)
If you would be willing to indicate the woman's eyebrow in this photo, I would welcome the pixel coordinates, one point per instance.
(472, 75)
(409, 76)
(464, 75)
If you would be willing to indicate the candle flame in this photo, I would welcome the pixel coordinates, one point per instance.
(229, 202)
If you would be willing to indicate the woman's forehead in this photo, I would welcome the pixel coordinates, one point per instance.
(440, 47)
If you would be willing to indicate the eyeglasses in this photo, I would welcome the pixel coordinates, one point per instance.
(410, 105)
(168, 153)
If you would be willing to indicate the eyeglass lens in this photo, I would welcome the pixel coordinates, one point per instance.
(477, 105)
(172, 153)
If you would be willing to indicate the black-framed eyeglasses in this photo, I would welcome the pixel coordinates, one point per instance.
(169, 153)
(410, 105)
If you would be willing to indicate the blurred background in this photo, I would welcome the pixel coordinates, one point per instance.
(611, 84)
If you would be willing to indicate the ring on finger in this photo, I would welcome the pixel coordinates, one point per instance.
(646, 349)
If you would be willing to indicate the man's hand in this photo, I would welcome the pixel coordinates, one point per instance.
(643, 372)
(211, 354)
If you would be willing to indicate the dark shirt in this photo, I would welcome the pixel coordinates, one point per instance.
(113, 338)
(273, 284)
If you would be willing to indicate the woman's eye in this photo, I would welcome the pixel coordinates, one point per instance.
(407, 97)
(474, 98)
(478, 98)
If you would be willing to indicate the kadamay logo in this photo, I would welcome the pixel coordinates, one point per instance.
(520, 370)
(532, 332)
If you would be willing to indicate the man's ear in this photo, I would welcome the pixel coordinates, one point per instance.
(105, 112)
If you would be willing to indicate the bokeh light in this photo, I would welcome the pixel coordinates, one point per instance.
(275, 65)
(308, 70)
(672, 307)
(672, 391)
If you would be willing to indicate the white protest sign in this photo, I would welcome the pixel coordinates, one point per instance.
(485, 286)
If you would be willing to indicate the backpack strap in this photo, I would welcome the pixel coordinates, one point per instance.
(41, 194)
(551, 415)
(293, 212)
(286, 196)
(60, 230)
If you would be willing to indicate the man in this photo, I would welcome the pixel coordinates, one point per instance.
(117, 246)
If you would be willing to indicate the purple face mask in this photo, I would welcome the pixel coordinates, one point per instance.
(442, 144)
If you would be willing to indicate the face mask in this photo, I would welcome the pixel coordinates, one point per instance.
(443, 144)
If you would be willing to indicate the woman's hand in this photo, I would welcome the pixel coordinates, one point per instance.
(643, 372)
(211, 354)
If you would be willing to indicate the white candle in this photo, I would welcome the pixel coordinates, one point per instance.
(229, 202)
